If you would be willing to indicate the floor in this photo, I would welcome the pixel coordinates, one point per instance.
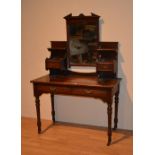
(64, 139)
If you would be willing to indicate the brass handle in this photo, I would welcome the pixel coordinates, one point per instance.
(105, 67)
(52, 89)
(88, 91)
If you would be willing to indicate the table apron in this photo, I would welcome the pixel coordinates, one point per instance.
(77, 91)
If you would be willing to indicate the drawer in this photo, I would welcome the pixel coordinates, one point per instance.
(80, 92)
(54, 64)
(104, 66)
(77, 91)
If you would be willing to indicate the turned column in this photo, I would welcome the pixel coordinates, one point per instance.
(116, 109)
(52, 108)
(52, 89)
(109, 111)
(37, 101)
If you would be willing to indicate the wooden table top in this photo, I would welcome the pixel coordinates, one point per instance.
(76, 80)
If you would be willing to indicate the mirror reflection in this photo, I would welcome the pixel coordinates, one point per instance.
(82, 41)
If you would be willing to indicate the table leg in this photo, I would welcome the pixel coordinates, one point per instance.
(116, 110)
(37, 101)
(52, 107)
(109, 111)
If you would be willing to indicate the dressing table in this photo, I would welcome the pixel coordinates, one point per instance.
(82, 49)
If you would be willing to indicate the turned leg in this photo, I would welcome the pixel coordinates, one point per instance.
(116, 110)
(52, 108)
(37, 101)
(109, 111)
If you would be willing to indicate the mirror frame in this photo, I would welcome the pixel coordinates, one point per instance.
(84, 43)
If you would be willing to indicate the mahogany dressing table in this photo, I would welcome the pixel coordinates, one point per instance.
(82, 48)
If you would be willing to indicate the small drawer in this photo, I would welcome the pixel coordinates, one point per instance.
(54, 64)
(105, 67)
(109, 66)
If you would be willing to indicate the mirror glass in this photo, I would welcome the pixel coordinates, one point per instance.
(83, 39)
